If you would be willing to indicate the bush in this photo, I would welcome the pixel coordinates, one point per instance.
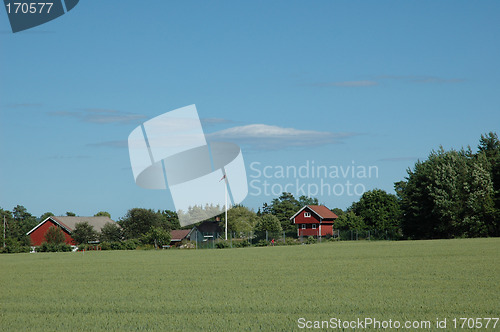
(54, 247)
(131, 244)
(262, 243)
(311, 240)
(222, 245)
(118, 245)
(291, 241)
(105, 246)
(14, 249)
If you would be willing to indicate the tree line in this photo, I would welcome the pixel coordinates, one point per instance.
(453, 193)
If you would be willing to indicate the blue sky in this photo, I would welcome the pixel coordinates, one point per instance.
(337, 83)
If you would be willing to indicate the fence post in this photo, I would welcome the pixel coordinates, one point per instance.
(267, 239)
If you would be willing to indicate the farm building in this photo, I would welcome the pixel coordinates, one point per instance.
(67, 224)
(178, 235)
(314, 220)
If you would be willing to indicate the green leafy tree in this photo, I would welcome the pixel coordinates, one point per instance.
(284, 208)
(348, 221)
(240, 219)
(170, 219)
(158, 236)
(448, 195)
(137, 222)
(45, 216)
(338, 211)
(22, 223)
(378, 209)
(70, 214)
(489, 145)
(268, 222)
(83, 233)
(102, 214)
(111, 232)
(54, 235)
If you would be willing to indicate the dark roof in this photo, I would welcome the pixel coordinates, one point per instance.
(69, 223)
(209, 227)
(179, 234)
(320, 210)
(323, 211)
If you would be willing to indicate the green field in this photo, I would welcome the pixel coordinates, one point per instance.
(250, 288)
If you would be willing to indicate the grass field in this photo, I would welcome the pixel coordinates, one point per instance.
(250, 288)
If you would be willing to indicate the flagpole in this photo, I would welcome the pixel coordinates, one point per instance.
(225, 193)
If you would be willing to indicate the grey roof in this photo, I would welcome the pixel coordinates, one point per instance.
(69, 223)
(97, 222)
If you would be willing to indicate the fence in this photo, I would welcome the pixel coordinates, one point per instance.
(201, 240)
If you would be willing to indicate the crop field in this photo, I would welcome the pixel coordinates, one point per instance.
(268, 288)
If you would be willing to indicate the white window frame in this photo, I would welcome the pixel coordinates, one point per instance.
(303, 226)
(307, 214)
(314, 226)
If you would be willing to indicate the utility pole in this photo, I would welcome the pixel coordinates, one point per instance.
(4, 231)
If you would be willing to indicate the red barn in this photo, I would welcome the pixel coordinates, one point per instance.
(67, 224)
(314, 220)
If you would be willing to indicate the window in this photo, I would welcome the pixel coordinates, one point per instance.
(314, 226)
(303, 226)
(307, 214)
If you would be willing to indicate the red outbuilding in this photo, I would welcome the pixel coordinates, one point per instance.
(314, 220)
(67, 225)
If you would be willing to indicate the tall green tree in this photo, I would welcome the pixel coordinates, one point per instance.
(158, 236)
(448, 195)
(349, 220)
(240, 219)
(138, 221)
(84, 233)
(54, 235)
(489, 145)
(284, 208)
(267, 222)
(378, 209)
(102, 214)
(111, 232)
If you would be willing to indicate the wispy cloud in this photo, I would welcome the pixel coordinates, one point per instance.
(101, 116)
(266, 137)
(420, 79)
(354, 84)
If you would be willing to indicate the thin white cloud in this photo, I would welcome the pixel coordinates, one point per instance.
(354, 84)
(421, 79)
(266, 137)
(101, 116)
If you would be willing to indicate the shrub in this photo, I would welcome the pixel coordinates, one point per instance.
(262, 243)
(131, 244)
(222, 244)
(311, 240)
(54, 247)
(105, 246)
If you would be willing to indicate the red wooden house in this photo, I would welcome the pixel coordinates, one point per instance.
(67, 224)
(314, 220)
